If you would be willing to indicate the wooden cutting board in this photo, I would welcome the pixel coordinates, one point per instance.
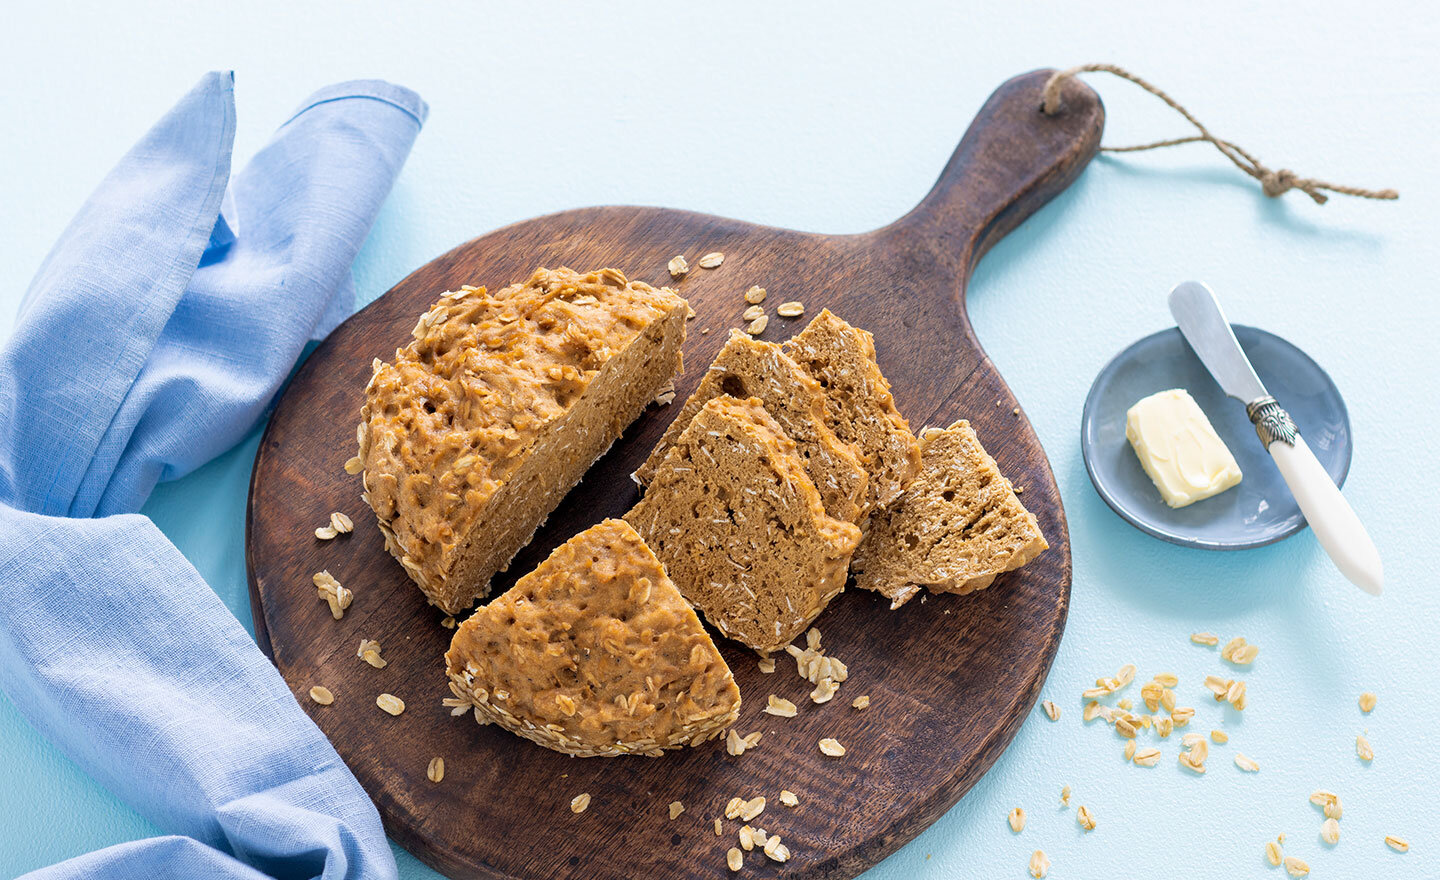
(950, 678)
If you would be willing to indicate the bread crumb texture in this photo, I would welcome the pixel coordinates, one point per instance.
(740, 526)
(955, 528)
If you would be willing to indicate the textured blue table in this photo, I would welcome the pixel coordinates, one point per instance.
(838, 119)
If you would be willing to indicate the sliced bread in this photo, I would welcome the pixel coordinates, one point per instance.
(748, 367)
(858, 404)
(957, 525)
(741, 528)
(594, 653)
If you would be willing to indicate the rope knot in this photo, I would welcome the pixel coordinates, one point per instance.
(1277, 183)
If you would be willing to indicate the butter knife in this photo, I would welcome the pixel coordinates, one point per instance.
(1334, 523)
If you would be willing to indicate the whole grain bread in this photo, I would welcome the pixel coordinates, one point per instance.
(748, 367)
(497, 407)
(858, 404)
(957, 525)
(594, 653)
(741, 528)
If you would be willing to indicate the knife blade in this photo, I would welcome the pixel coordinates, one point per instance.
(1336, 527)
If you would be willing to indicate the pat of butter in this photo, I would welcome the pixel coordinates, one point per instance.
(1179, 448)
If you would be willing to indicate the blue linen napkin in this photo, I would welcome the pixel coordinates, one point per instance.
(154, 336)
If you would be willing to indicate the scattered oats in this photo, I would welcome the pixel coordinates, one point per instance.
(759, 836)
(711, 260)
(1147, 757)
(1199, 752)
(1190, 763)
(1235, 695)
(678, 266)
(1399, 844)
(704, 331)
(321, 694)
(792, 309)
(1085, 818)
(780, 706)
(354, 465)
(332, 593)
(767, 665)
(757, 326)
(1231, 647)
(719, 828)
(1295, 867)
(1015, 411)
(1219, 736)
(1362, 748)
(755, 295)
(1182, 716)
(1127, 675)
(1322, 798)
(1191, 739)
(1098, 691)
(862, 702)
(436, 771)
(831, 747)
(1039, 864)
(1164, 726)
(732, 809)
(752, 808)
(735, 859)
(390, 703)
(1051, 710)
(747, 838)
(1017, 820)
(751, 740)
(676, 808)
(1367, 701)
(733, 743)
(1167, 679)
(776, 850)
(1124, 728)
(448, 623)
(1127, 704)
(1245, 655)
(1129, 750)
(1205, 639)
(370, 652)
(789, 798)
(824, 691)
(1246, 763)
(325, 533)
(1217, 686)
(1167, 699)
(1333, 810)
(1330, 831)
(341, 523)
(1092, 711)
(1065, 796)
(579, 803)
(752, 313)
(1273, 854)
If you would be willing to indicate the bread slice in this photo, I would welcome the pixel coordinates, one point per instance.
(594, 653)
(747, 367)
(955, 528)
(858, 403)
(498, 407)
(741, 528)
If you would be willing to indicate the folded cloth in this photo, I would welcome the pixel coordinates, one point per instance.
(154, 336)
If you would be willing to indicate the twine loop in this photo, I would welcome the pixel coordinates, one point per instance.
(1273, 183)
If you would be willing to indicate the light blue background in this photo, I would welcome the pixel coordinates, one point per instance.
(837, 117)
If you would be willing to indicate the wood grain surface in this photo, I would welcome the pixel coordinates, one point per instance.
(950, 679)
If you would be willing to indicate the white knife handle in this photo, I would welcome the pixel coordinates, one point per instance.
(1335, 525)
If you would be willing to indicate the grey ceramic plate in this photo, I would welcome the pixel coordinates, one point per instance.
(1258, 511)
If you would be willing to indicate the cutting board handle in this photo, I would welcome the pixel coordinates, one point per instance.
(1012, 160)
